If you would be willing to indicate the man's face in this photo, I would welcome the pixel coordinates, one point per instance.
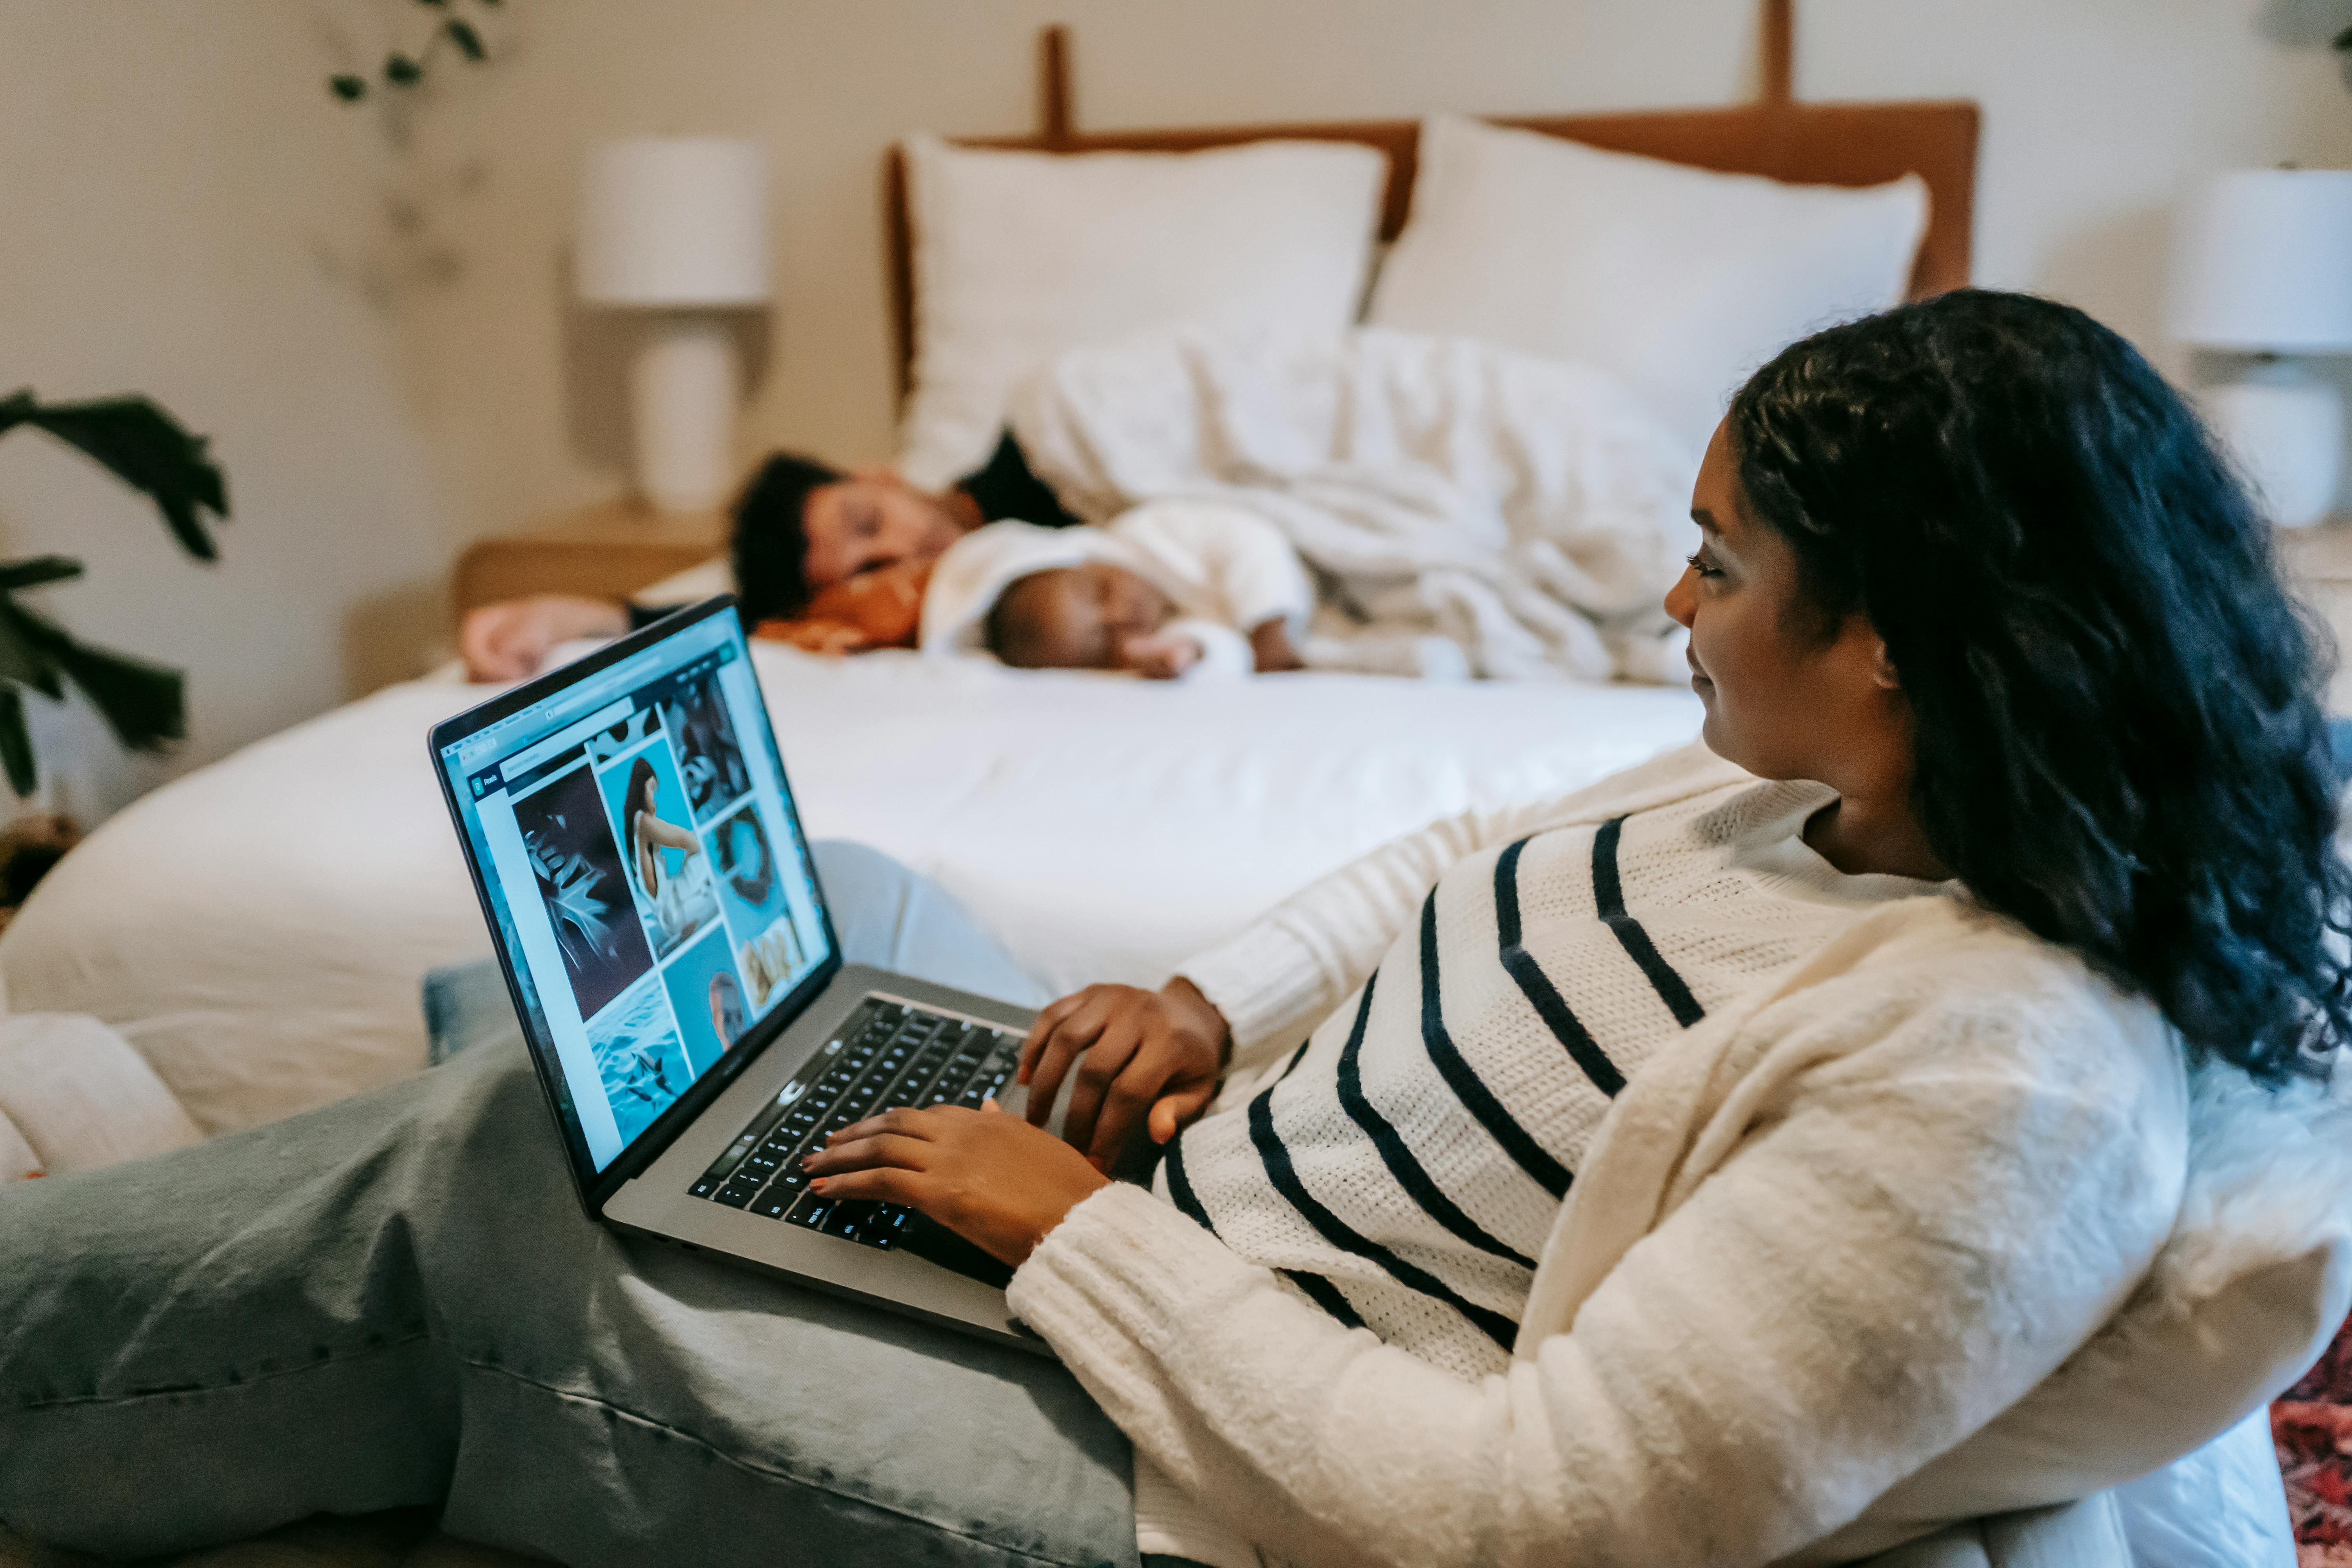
(869, 521)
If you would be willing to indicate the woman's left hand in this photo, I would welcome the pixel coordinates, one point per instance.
(992, 1179)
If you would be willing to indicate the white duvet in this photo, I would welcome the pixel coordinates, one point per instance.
(259, 929)
(1527, 511)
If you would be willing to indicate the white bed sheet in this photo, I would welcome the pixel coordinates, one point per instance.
(259, 929)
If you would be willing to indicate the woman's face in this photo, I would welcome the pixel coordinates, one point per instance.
(1783, 700)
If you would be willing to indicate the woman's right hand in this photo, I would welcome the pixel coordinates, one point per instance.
(1141, 1057)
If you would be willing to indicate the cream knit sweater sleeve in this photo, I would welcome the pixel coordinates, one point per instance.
(1283, 974)
(1969, 1165)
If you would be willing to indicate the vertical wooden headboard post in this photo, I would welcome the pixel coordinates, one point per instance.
(1779, 53)
(1053, 86)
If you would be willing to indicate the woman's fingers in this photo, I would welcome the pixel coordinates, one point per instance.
(883, 1183)
(1113, 1052)
(1171, 1111)
(1049, 1018)
(867, 1153)
(1129, 1097)
(1069, 1040)
(906, 1121)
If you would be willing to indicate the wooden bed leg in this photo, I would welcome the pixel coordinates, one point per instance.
(1053, 85)
(1779, 53)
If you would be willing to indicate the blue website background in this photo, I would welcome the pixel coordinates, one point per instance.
(647, 876)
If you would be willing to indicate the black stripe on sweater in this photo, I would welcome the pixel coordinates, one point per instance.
(1319, 1290)
(1409, 1171)
(1326, 1295)
(1344, 1236)
(1609, 895)
(1536, 986)
(1180, 1187)
(1475, 1097)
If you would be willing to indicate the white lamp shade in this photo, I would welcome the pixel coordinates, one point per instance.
(674, 220)
(2263, 263)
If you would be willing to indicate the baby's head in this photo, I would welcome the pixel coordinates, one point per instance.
(1076, 617)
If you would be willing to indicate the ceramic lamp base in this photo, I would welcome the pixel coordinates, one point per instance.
(683, 387)
(2287, 430)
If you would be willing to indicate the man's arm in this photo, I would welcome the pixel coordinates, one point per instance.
(507, 641)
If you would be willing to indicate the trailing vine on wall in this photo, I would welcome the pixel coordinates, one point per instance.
(407, 68)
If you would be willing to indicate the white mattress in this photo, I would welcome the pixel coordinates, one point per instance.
(259, 929)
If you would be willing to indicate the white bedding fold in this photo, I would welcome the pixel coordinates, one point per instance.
(259, 930)
(1527, 510)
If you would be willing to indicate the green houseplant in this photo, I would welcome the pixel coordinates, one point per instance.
(142, 703)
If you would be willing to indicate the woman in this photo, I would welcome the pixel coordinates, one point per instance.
(1865, 1044)
(680, 902)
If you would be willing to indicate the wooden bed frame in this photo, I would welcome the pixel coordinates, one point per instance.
(1812, 143)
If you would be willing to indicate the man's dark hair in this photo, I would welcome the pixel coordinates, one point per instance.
(2119, 741)
(771, 540)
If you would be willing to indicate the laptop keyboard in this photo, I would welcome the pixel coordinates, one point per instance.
(889, 1055)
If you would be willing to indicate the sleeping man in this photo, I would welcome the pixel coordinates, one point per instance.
(800, 526)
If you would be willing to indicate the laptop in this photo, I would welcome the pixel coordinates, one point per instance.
(632, 839)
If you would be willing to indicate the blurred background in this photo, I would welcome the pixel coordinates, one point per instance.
(368, 305)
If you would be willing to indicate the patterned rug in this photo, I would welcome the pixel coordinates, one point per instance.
(2312, 1427)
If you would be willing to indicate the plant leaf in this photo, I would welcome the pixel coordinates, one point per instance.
(16, 742)
(24, 652)
(401, 71)
(468, 42)
(147, 449)
(36, 571)
(143, 703)
(349, 88)
(2342, 40)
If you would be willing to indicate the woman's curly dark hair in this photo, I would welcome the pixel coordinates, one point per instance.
(2119, 741)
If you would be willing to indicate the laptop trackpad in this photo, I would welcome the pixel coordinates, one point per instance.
(935, 1242)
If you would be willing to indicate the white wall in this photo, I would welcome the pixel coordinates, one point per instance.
(170, 171)
(166, 173)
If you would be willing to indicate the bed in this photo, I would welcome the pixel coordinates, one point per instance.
(259, 927)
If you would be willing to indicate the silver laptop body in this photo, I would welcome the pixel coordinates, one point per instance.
(693, 1027)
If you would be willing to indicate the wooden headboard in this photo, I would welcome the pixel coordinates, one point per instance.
(1810, 144)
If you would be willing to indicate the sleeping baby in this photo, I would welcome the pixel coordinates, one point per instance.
(1167, 590)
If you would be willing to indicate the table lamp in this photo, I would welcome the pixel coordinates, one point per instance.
(676, 227)
(2263, 267)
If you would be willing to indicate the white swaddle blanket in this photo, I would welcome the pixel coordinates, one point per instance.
(1529, 512)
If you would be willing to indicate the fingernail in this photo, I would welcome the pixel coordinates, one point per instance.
(806, 1160)
(818, 1185)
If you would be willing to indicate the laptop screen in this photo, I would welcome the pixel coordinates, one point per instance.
(638, 849)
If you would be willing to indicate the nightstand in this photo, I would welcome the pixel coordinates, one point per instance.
(599, 552)
(2318, 561)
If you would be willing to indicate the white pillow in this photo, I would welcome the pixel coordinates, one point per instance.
(1019, 255)
(1677, 280)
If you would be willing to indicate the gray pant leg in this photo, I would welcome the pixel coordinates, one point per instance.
(889, 917)
(398, 1299)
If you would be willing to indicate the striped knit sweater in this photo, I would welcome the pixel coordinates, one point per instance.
(1406, 1167)
(1814, 1268)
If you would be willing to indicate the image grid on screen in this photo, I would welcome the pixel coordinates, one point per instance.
(676, 892)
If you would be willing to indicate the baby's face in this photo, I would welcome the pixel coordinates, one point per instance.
(1077, 617)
